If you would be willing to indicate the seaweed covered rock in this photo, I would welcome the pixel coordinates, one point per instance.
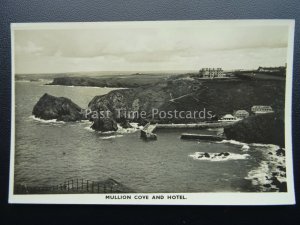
(63, 109)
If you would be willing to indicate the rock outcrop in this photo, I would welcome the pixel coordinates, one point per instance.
(63, 109)
(105, 124)
(124, 123)
(265, 129)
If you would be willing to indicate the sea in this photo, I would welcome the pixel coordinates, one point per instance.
(48, 153)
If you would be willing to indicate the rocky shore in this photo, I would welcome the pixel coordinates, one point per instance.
(270, 175)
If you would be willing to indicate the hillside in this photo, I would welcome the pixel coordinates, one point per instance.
(128, 81)
(218, 96)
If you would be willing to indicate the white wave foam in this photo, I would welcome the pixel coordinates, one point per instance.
(245, 147)
(136, 125)
(110, 137)
(89, 129)
(264, 175)
(120, 130)
(218, 156)
(265, 145)
(70, 86)
(86, 122)
(53, 121)
(258, 175)
(270, 169)
(271, 147)
(134, 128)
(231, 142)
(100, 132)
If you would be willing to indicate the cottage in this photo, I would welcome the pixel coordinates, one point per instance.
(241, 114)
(261, 109)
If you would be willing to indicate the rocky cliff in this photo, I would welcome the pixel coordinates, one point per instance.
(202, 98)
(218, 96)
(265, 128)
(63, 109)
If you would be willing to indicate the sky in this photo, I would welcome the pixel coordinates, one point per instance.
(149, 46)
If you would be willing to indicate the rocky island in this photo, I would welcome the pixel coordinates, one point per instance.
(62, 109)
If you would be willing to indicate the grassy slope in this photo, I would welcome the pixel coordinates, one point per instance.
(220, 97)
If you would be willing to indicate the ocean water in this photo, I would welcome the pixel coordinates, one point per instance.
(49, 152)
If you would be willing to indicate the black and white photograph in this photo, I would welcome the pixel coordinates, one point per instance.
(153, 112)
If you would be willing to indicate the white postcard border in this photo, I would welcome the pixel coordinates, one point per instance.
(219, 198)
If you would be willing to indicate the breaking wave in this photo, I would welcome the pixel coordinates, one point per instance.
(89, 129)
(245, 147)
(53, 121)
(216, 157)
(120, 130)
(110, 137)
(134, 129)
